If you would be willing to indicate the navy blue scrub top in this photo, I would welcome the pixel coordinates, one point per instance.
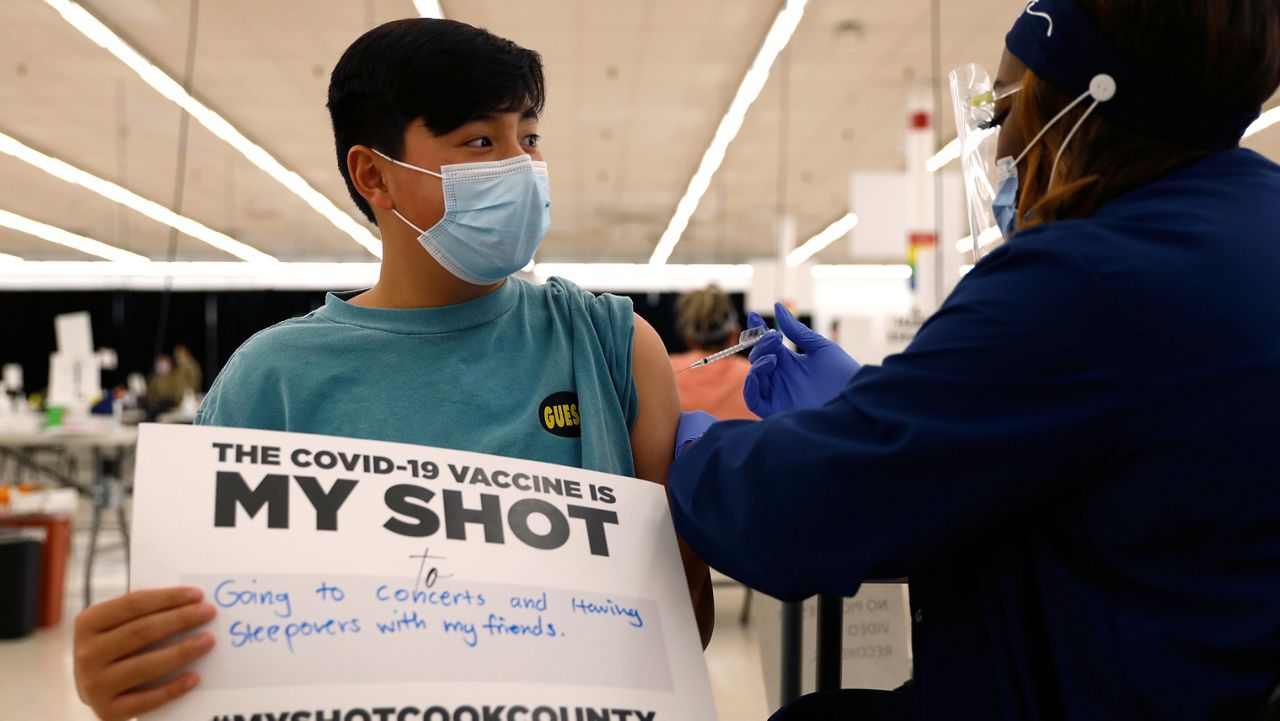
(1076, 462)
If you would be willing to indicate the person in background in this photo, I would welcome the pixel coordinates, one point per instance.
(164, 387)
(709, 324)
(188, 370)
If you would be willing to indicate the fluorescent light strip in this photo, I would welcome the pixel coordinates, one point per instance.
(428, 8)
(18, 274)
(109, 190)
(861, 272)
(62, 237)
(829, 235)
(949, 152)
(59, 275)
(774, 42)
(331, 276)
(1264, 121)
(648, 277)
(953, 150)
(103, 36)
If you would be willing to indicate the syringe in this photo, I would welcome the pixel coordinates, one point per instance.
(746, 340)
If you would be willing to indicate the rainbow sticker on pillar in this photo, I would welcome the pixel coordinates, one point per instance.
(559, 416)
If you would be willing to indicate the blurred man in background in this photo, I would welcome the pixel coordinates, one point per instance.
(710, 324)
(188, 371)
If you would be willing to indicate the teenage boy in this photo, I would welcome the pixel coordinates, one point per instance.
(436, 127)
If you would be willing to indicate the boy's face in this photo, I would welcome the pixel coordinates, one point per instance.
(497, 136)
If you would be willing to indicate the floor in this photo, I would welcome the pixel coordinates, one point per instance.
(35, 672)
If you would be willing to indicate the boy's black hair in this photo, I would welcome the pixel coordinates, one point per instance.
(445, 72)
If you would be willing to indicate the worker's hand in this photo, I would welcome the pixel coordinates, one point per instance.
(692, 425)
(782, 380)
(115, 655)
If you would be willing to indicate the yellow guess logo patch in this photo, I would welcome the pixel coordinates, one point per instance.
(558, 415)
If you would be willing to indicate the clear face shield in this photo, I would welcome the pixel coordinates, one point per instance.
(991, 183)
(974, 101)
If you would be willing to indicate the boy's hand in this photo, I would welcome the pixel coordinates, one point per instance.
(110, 637)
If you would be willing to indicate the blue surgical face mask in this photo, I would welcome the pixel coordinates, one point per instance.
(1005, 204)
(495, 216)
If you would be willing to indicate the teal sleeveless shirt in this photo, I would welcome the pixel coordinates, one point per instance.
(528, 371)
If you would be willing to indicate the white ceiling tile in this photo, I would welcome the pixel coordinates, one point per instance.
(636, 90)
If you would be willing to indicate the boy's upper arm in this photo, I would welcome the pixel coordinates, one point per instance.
(654, 433)
(653, 440)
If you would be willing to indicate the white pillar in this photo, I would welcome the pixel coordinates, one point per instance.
(785, 232)
(922, 233)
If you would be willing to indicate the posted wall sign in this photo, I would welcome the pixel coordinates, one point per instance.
(369, 581)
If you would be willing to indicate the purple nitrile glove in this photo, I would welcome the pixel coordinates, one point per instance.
(692, 425)
(782, 380)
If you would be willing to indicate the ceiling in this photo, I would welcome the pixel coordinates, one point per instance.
(636, 90)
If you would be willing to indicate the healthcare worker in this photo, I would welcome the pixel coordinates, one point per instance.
(1077, 461)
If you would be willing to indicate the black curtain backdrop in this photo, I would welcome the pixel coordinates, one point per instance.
(212, 325)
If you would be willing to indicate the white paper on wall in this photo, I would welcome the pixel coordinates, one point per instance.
(74, 333)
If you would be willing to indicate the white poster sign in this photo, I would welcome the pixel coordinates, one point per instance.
(369, 581)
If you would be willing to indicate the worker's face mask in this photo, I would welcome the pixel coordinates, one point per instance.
(495, 216)
(1005, 205)
(993, 208)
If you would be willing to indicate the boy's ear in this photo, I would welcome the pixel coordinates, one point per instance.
(366, 176)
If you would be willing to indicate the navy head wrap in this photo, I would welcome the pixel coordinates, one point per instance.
(1062, 45)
